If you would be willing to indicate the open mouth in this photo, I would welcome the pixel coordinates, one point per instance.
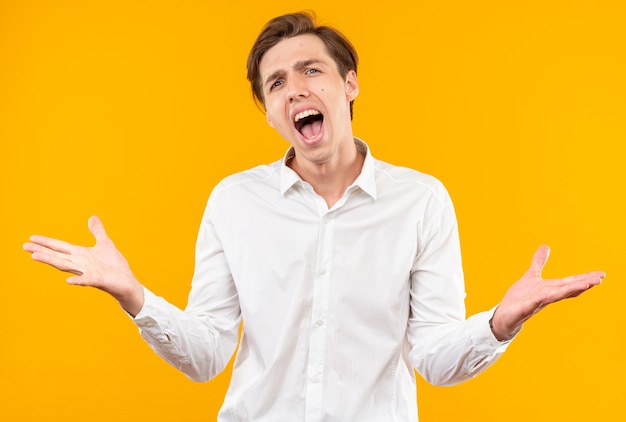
(309, 123)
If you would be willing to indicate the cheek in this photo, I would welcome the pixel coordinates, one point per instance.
(275, 118)
(278, 120)
(271, 114)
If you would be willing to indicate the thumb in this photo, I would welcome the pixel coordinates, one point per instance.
(97, 229)
(539, 260)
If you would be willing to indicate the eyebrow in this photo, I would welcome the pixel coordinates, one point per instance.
(299, 65)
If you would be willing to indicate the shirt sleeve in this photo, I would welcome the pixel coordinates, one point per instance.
(200, 340)
(445, 347)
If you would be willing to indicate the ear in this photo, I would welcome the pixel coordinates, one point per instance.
(269, 122)
(352, 85)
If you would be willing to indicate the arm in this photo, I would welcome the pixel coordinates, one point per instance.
(198, 341)
(446, 348)
(101, 266)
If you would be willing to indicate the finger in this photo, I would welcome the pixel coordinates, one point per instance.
(35, 247)
(570, 291)
(30, 247)
(50, 243)
(572, 286)
(539, 260)
(76, 280)
(56, 261)
(97, 229)
(593, 278)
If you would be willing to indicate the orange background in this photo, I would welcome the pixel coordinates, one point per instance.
(133, 110)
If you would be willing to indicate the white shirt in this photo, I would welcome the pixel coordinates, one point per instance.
(338, 305)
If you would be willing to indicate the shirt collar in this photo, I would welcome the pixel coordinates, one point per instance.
(366, 179)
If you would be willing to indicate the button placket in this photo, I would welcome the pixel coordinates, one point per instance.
(319, 314)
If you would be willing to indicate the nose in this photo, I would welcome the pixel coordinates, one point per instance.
(297, 89)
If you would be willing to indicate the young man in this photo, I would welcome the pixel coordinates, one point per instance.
(345, 270)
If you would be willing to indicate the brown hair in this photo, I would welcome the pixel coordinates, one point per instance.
(289, 26)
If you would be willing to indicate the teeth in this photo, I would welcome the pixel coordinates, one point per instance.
(305, 113)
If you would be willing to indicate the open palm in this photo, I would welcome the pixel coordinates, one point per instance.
(532, 293)
(101, 266)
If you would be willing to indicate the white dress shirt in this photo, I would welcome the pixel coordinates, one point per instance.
(338, 305)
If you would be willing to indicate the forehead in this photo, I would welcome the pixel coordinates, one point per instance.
(290, 51)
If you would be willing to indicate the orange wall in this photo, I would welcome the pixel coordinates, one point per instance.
(134, 110)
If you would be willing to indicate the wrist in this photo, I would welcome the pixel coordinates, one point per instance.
(500, 333)
(133, 300)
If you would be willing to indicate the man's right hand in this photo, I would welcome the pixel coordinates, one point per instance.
(101, 266)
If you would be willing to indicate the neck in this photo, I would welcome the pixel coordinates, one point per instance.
(330, 179)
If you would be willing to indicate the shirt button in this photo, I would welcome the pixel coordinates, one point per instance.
(319, 322)
(315, 379)
(323, 271)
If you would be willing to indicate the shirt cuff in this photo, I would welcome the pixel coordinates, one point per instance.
(147, 318)
(486, 333)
